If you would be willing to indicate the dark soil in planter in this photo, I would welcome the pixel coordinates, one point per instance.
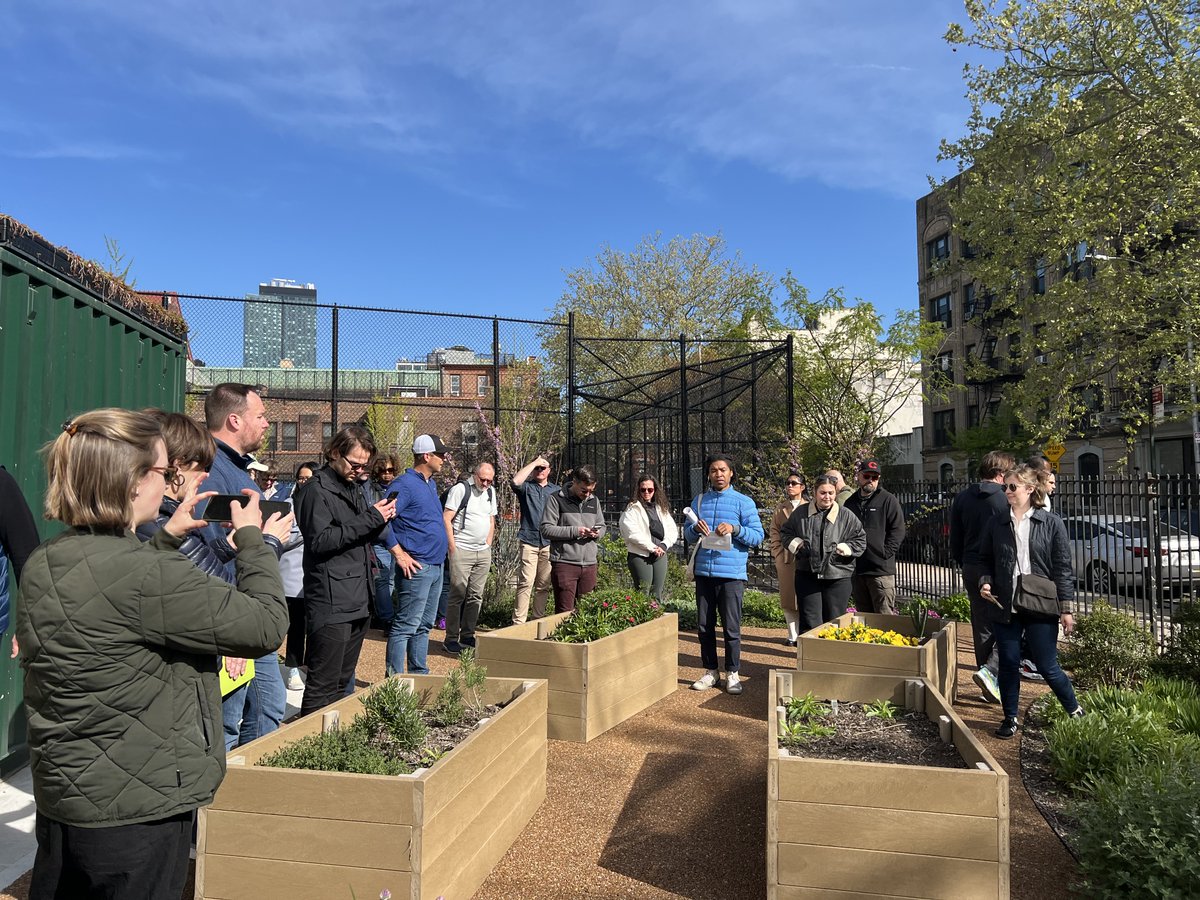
(441, 739)
(909, 739)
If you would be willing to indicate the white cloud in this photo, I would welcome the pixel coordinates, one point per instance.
(846, 93)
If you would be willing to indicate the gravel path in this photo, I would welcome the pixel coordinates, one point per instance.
(672, 803)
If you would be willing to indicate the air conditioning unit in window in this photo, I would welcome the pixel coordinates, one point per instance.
(1094, 420)
(945, 363)
(1040, 359)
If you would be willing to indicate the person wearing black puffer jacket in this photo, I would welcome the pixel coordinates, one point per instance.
(874, 581)
(1028, 541)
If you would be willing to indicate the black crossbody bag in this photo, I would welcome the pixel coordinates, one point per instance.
(1037, 594)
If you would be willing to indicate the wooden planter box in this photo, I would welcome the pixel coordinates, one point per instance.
(323, 835)
(935, 659)
(878, 830)
(593, 686)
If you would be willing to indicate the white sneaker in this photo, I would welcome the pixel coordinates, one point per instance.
(294, 683)
(733, 684)
(987, 683)
(706, 681)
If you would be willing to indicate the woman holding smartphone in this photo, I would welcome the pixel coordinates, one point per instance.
(119, 642)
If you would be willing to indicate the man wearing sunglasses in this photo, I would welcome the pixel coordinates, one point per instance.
(873, 585)
(339, 528)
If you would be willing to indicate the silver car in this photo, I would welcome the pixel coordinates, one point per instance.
(1109, 553)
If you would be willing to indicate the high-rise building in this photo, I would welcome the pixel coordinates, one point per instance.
(280, 326)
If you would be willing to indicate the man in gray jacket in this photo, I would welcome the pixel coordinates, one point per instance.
(573, 522)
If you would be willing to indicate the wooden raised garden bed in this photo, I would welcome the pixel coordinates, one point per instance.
(936, 658)
(593, 686)
(438, 832)
(867, 829)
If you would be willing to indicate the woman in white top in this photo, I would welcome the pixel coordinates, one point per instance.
(649, 531)
(785, 562)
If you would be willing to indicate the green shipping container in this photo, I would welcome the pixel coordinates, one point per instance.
(62, 351)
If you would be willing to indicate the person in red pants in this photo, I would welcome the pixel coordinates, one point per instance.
(573, 523)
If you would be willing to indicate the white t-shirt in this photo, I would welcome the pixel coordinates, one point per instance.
(472, 527)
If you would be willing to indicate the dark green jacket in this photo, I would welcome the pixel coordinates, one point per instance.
(119, 642)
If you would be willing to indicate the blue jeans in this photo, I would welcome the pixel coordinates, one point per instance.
(256, 708)
(1041, 636)
(415, 601)
(383, 585)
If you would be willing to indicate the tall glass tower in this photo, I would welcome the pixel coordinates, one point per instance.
(280, 326)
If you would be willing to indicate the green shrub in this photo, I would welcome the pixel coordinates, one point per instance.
(340, 750)
(1140, 833)
(1182, 656)
(612, 568)
(956, 606)
(683, 604)
(762, 610)
(499, 612)
(605, 612)
(1108, 648)
(1098, 746)
(391, 714)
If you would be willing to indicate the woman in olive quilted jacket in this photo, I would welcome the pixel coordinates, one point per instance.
(119, 642)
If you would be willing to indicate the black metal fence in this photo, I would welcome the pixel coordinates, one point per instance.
(1135, 543)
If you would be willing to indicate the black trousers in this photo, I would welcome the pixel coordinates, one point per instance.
(332, 657)
(293, 654)
(148, 861)
(723, 597)
(820, 599)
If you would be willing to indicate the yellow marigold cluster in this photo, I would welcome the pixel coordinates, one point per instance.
(861, 634)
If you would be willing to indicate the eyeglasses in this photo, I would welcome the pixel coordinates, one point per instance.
(169, 473)
(484, 480)
(649, 490)
(301, 479)
(388, 471)
(356, 467)
(1012, 487)
(795, 484)
(870, 476)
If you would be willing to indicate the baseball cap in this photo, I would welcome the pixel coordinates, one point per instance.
(869, 465)
(429, 443)
(257, 466)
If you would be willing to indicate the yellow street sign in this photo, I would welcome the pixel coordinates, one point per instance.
(1054, 452)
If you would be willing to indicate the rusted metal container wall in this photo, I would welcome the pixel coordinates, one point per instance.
(62, 351)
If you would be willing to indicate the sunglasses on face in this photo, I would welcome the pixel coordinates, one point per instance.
(356, 467)
(795, 484)
(647, 490)
(388, 471)
(1012, 487)
(169, 473)
(484, 480)
(870, 476)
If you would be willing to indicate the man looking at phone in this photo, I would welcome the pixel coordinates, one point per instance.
(573, 523)
(532, 486)
(237, 420)
(340, 530)
(420, 551)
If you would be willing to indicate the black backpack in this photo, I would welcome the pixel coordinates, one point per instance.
(460, 515)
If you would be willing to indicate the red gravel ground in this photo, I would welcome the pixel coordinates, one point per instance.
(672, 803)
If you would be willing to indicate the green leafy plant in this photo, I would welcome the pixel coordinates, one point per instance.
(762, 610)
(1139, 832)
(920, 610)
(956, 607)
(881, 709)
(805, 708)
(683, 604)
(1182, 656)
(339, 750)
(793, 733)
(1108, 648)
(603, 613)
(391, 714)
(804, 719)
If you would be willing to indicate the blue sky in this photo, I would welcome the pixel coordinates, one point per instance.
(459, 156)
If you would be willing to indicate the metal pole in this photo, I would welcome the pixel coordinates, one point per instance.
(495, 372)
(570, 460)
(791, 381)
(333, 375)
(754, 402)
(685, 469)
(1152, 590)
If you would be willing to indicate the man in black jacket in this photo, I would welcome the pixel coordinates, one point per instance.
(969, 516)
(339, 530)
(874, 582)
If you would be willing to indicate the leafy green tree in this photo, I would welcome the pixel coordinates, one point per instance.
(659, 289)
(1082, 156)
(853, 373)
(392, 424)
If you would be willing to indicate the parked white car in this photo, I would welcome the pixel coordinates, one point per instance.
(1109, 553)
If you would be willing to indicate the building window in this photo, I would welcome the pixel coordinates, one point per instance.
(968, 301)
(1078, 264)
(518, 382)
(973, 416)
(455, 385)
(939, 310)
(944, 363)
(1039, 277)
(968, 252)
(988, 356)
(946, 473)
(326, 433)
(937, 250)
(483, 384)
(470, 433)
(289, 436)
(943, 428)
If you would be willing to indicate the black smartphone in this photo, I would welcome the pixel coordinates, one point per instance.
(220, 507)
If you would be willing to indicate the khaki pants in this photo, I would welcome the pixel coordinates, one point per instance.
(533, 578)
(875, 593)
(468, 579)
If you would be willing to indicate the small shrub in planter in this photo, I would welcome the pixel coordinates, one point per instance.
(603, 613)
(392, 734)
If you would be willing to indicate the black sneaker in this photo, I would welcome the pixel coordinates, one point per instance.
(452, 647)
(1007, 729)
(789, 643)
